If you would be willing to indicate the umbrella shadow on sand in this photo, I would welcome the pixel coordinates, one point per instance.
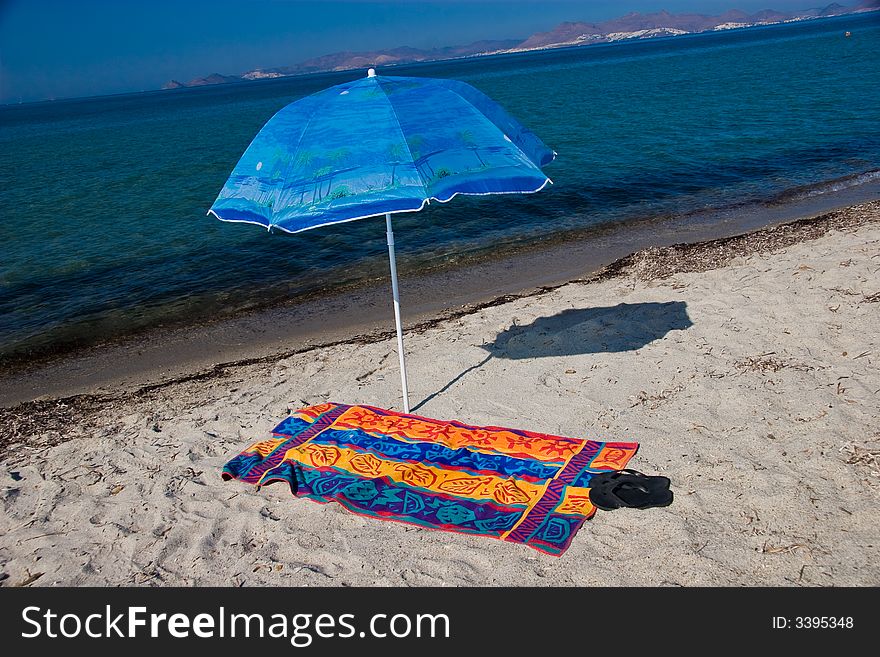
(605, 329)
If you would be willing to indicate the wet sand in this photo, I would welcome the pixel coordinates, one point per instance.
(745, 367)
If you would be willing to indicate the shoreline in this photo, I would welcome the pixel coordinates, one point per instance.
(362, 312)
(650, 263)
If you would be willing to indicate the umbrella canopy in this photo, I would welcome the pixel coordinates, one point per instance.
(379, 145)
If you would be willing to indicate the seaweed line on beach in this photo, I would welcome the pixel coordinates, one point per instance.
(47, 422)
(657, 263)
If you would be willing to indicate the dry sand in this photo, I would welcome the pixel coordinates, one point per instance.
(746, 368)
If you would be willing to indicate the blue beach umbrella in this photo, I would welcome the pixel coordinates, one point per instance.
(377, 146)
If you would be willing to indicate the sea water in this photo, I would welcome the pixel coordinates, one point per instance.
(104, 229)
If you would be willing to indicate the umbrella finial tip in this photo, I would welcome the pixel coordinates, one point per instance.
(371, 72)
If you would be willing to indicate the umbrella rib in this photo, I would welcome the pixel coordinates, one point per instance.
(406, 144)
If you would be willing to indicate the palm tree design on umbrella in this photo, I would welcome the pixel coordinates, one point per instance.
(304, 162)
(331, 159)
(281, 162)
(467, 138)
(337, 158)
(395, 153)
(422, 162)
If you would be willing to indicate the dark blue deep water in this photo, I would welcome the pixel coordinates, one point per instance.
(103, 228)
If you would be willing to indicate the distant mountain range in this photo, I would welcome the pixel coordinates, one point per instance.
(343, 61)
(631, 26)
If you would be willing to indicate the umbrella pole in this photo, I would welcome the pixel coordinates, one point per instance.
(396, 294)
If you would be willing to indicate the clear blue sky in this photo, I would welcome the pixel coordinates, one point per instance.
(65, 48)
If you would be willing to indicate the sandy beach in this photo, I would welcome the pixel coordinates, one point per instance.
(745, 367)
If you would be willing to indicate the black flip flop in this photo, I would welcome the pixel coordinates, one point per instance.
(629, 489)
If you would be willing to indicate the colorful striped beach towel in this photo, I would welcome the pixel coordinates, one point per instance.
(509, 484)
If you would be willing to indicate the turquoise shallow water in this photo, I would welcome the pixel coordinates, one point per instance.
(103, 229)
